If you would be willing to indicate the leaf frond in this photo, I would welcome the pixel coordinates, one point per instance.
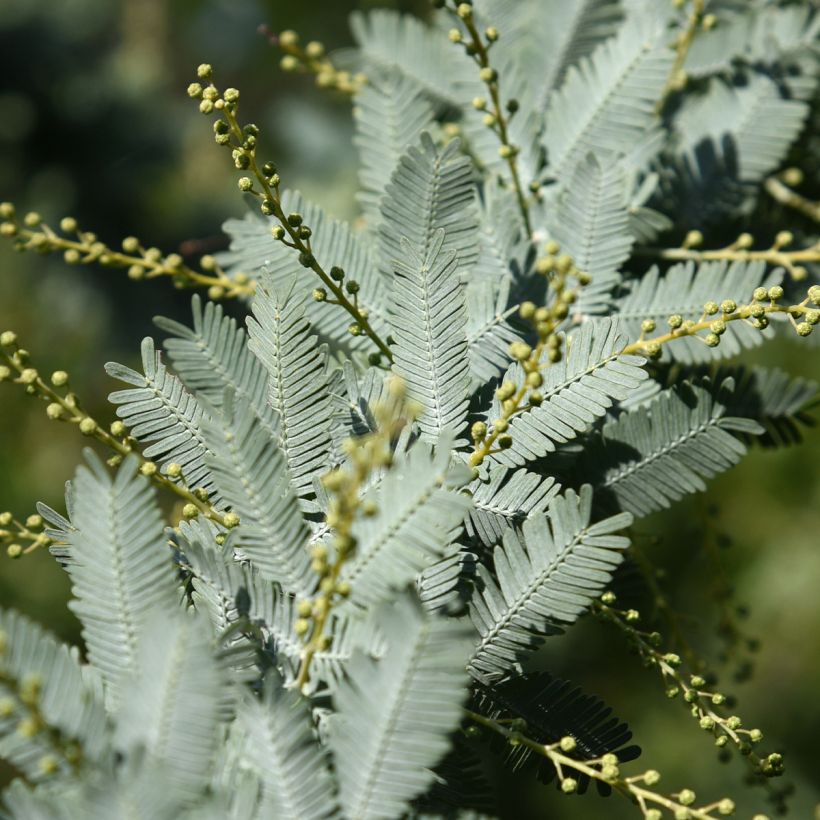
(546, 577)
(159, 409)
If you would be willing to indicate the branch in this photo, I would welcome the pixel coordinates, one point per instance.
(83, 248)
(755, 314)
(497, 120)
(739, 251)
(65, 406)
(242, 140)
(605, 770)
(777, 188)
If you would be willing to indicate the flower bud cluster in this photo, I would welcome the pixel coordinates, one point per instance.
(517, 398)
(312, 58)
(263, 182)
(715, 318)
(366, 455)
(20, 538)
(708, 706)
(496, 117)
(80, 247)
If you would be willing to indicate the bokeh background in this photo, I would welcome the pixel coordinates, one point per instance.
(95, 123)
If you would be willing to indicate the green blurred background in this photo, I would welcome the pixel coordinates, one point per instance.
(95, 123)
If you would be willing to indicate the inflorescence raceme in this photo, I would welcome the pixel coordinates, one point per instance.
(519, 398)
(264, 184)
(606, 769)
(63, 405)
(312, 59)
(716, 318)
(497, 116)
(366, 455)
(741, 250)
(706, 706)
(84, 248)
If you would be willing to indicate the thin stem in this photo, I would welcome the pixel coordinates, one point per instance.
(628, 786)
(677, 78)
(793, 261)
(270, 196)
(71, 411)
(779, 191)
(142, 264)
(480, 53)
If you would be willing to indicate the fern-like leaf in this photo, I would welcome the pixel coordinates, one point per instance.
(607, 101)
(391, 112)
(430, 352)
(250, 470)
(412, 701)
(779, 402)
(279, 746)
(547, 577)
(431, 190)
(171, 705)
(419, 516)
(654, 455)
(282, 340)
(489, 333)
(577, 391)
(549, 36)
(446, 586)
(213, 356)
(591, 223)
(761, 123)
(121, 569)
(389, 41)
(159, 409)
(506, 500)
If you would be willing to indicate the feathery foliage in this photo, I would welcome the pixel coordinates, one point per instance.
(159, 409)
(416, 455)
(544, 577)
(421, 681)
(297, 383)
(213, 356)
(250, 471)
(431, 342)
(656, 454)
(607, 101)
(119, 562)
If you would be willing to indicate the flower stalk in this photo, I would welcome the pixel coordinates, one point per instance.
(265, 186)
